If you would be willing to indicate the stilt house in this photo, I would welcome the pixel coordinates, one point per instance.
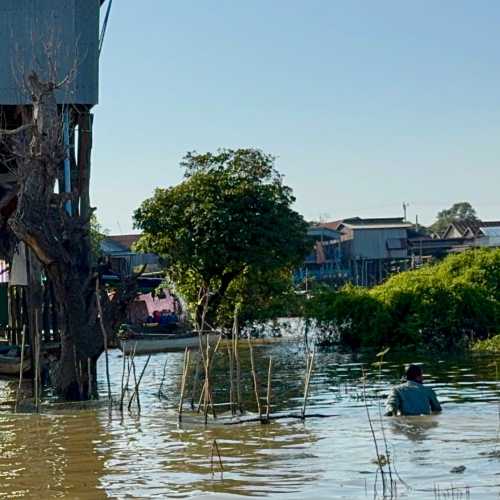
(57, 39)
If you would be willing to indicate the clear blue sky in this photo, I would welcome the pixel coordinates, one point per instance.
(366, 104)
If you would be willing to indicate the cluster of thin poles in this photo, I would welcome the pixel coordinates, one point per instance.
(203, 365)
(128, 386)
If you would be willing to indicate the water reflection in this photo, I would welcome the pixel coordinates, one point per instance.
(177, 459)
(43, 456)
(416, 429)
(96, 454)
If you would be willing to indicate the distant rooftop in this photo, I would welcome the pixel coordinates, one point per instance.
(369, 223)
(125, 241)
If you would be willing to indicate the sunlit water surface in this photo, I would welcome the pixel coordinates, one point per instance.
(98, 453)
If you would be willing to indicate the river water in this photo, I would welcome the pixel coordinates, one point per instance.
(94, 453)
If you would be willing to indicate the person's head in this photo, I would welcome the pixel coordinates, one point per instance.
(414, 373)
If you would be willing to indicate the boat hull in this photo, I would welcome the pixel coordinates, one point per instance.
(12, 366)
(149, 344)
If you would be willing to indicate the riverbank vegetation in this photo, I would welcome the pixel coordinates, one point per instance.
(491, 344)
(445, 305)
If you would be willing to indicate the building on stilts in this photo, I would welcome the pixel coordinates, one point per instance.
(60, 40)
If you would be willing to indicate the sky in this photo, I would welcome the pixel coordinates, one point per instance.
(365, 104)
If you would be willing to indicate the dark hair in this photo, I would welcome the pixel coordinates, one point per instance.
(413, 372)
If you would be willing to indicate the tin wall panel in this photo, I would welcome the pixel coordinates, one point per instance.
(70, 27)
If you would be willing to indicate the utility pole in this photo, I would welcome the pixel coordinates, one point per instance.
(405, 206)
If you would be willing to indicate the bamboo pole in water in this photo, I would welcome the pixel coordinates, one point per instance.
(268, 397)
(77, 373)
(160, 390)
(89, 375)
(309, 369)
(132, 361)
(206, 391)
(37, 363)
(207, 394)
(185, 368)
(215, 447)
(21, 369)
(231, 378)
(80, 371)
(254, 376)
(195, 380)
(123, 377)
(237, 361)
(104, 333)
(137, 384)
(129, 368)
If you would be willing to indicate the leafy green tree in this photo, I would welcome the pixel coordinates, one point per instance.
(458, 212)
(230, 217)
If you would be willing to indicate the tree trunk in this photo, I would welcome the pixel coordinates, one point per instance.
(80, 337)
(58, 239)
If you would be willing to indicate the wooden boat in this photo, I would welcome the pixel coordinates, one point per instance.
(148, 340)
(10, 360)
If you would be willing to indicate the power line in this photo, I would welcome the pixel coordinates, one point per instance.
(104, 26)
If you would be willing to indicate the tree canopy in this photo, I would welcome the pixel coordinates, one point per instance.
(231, 214)
(458, 212)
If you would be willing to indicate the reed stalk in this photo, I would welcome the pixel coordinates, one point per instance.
(381, 355)
(374, 438)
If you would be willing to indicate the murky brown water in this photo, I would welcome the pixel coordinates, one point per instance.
(95, 453)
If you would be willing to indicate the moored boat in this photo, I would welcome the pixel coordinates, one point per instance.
(10, 360)
(140, 341)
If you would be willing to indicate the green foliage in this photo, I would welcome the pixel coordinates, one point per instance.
(229, 220)
(350, 316)
(459, 212)
(260, 296)
(442, 305)
(487, 345)
(97, 234)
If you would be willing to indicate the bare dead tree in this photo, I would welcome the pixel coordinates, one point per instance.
(60, 238)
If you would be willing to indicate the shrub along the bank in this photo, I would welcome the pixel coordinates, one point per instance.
(491, 344)
(444, 305)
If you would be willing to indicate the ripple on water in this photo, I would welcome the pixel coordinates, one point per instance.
(97, 454)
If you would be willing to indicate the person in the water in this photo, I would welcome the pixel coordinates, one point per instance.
(412, 397)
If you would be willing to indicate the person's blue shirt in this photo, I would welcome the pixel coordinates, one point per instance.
(412, 398)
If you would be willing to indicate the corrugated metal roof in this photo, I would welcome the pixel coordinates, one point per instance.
(72, 25)
(378, 226)
(124, 240)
